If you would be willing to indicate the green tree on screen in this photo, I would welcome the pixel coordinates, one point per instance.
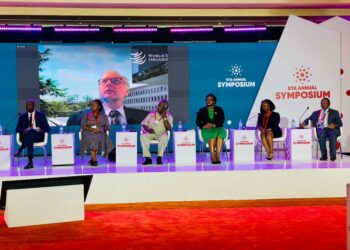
(65, 103)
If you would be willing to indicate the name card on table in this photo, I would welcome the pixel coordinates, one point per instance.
(300, 144)
(6, 151)
(63, 149)
(242, 145)
(126, 149)
(185, 147)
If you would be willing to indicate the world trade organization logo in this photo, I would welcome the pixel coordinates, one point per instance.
(138, 58)
(237, 78)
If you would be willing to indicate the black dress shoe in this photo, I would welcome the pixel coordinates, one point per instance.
(29, 165)
(147, 161)
(323, 158)
(159, 160)
(217, 162)
(94, 164)
(333, 158)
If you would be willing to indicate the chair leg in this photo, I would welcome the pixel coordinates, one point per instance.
(341, 151)
(45, 155)
(167, 154)
(226, 152)
(19, 159)
(285, 150)
(261, 148)
(201, 149)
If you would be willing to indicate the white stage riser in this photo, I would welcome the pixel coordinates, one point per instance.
(215, 185)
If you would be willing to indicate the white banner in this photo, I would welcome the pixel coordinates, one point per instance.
(343, 26)
(303, 70)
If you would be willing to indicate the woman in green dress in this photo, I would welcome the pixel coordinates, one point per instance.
(210, 120)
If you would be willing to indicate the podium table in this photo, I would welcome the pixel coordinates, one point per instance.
(63, 149)
(242, 145)
(185, 147)
(300, 144)
(126, 149)
(6, 151)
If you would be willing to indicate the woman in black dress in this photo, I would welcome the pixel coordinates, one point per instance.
(268, 126)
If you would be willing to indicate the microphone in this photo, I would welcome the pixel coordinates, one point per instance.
(10, 121)
(190, 116)
(54, 123)
(307, 108)
(250, 118)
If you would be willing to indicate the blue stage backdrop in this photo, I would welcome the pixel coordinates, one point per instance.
(63, 78)
(232, 72)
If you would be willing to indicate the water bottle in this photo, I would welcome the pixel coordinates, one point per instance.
(179, 127)
(240, 124)
(61, 129)
(293, 123)
(123, 127)
(0, 129)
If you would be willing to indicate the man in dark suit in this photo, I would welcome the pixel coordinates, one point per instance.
(113, 89)
(32, 126)
(327, 122)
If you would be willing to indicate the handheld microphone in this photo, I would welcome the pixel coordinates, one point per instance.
(10, 121)
(307, 108)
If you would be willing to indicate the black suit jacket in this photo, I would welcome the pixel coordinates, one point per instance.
(133, 116)
(273, 123)
(203, 117)
(40, 121)
(333, 118)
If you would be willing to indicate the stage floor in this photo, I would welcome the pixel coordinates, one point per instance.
(82, 167)
(277, 179)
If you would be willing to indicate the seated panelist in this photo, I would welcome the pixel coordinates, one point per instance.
(210, 119)
(31, 126)
(268, 126)
(327, 122)
(155, 127)
(94, 126)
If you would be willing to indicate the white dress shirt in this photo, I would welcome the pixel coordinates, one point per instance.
(33, 119)
(122, 117)
(325, 121)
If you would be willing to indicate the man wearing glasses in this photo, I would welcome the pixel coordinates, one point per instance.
(113, 88)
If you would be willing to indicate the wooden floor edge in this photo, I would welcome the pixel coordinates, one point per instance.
(340, 201)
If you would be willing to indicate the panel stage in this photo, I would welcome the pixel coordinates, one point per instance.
(264, 179)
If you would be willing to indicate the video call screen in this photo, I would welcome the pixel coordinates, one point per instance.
(64, 78)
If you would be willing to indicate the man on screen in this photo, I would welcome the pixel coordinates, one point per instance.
(113, 88)
(32, 126)
(327, 122)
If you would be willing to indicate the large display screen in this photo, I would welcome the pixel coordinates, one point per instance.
(64, 78)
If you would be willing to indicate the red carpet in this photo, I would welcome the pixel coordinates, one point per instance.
(289, 228)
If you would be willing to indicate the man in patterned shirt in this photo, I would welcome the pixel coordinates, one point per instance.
(155, 127)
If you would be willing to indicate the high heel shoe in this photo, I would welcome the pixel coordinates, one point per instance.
(270, 157)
